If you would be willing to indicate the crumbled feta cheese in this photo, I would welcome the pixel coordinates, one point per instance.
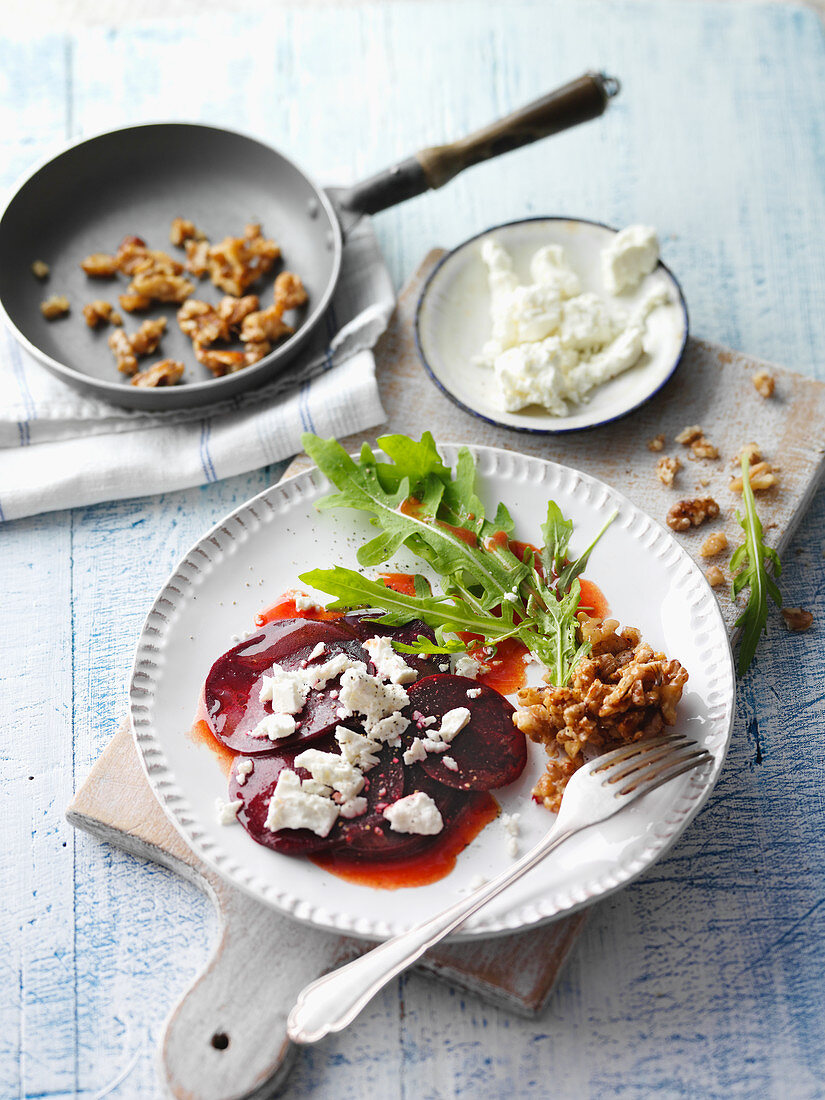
(549, 268)
(550, 343)
(632, 254)
(477, 881)
(354, 807)
(388, 664)
(292, 807)
(468, 666)
(287, 691)
(242, 769)
(473, 693)
(312, 786)
(390, 728)
(364, 694)
(274, 726)
(415, 813)
(452, 722)
(431, 744)
(586, 324)
(227, 812)
(319, 651)
(415, 752)
(430, 720)
(357, 749)
(450, 763)
(512, 847)
(332, 770)
(511, 823)
(319, 676)
(303, 602)
(534, 374)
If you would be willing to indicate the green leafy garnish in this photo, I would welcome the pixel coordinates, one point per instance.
(750, 565)
(489, 591)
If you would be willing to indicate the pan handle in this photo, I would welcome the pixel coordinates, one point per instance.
(579, 101)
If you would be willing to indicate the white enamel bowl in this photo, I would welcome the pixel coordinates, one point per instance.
(257, 552)
(453, 322)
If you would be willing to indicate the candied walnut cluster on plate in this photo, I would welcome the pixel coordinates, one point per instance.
(621, 692)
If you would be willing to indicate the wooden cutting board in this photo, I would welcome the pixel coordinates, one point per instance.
(214, 1048)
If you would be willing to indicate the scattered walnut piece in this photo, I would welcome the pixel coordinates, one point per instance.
(687, 435)
(100, 265)
(55, 306)
(126, 349)
(197, 258)
(797, 619)
(147, 337)
(622, 691)
(715, 576)
(764, 382)
(133, 258)
(255, 352)
(667, 469)
(703, 448)
(657, 443)
(202, 323)
(236, 262)
(40, 269)
(99, 312)
(123, 351)
(752, 451)
(167, 372)
(182, 230)
(265, 324)
(160, 286)
(692, 513)
(289, 292)
(134, 303)
(714, 544)
(761, 476)
(234, 310)
(220, 362)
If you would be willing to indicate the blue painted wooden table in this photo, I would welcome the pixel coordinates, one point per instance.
(705, 978)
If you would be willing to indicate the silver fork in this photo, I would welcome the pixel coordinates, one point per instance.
(596, 792)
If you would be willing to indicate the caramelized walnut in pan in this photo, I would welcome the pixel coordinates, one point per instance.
(156, 277)
(621, 692)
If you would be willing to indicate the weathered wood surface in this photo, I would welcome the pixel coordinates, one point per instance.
(218, 1044)
(703, 980)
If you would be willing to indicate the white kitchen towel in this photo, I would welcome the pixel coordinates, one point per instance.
(61, 450)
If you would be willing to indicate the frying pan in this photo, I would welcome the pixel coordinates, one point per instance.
(136, 179)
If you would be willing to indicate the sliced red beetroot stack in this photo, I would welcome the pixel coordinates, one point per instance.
(489, 752)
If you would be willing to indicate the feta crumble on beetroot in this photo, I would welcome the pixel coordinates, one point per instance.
(415, 813)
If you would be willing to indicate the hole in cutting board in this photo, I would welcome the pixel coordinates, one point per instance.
(220, 1041)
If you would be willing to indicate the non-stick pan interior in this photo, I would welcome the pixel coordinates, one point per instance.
(135, 181)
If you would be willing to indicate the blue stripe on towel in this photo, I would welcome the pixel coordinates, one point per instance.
(303, 405)
(206, 458)
(25, 394)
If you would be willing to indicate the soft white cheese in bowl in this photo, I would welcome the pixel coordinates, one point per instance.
(552, 324)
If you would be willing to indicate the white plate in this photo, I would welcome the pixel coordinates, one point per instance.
(249, 559)
(453, 322)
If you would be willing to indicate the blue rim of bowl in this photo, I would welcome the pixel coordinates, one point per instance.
(525, 429)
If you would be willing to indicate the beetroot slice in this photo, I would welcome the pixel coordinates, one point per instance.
(232, 692)
(384, 785)
(490, 751)
(366, 627)
(374, 840)
(255, 794)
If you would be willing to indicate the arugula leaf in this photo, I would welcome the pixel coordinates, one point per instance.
(750, 565)
(488, 591)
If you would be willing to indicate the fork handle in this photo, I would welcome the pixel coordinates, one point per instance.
(332, 1002)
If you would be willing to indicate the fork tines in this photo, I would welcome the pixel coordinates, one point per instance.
(652, 762)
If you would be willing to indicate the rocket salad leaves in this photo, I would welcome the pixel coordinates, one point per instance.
(750, 565)
(488, 590)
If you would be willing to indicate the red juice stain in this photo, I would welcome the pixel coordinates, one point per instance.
(285, 609)
(201, 734)
(507, 670)
(593, 600)
(403, 583)
(422, 868)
